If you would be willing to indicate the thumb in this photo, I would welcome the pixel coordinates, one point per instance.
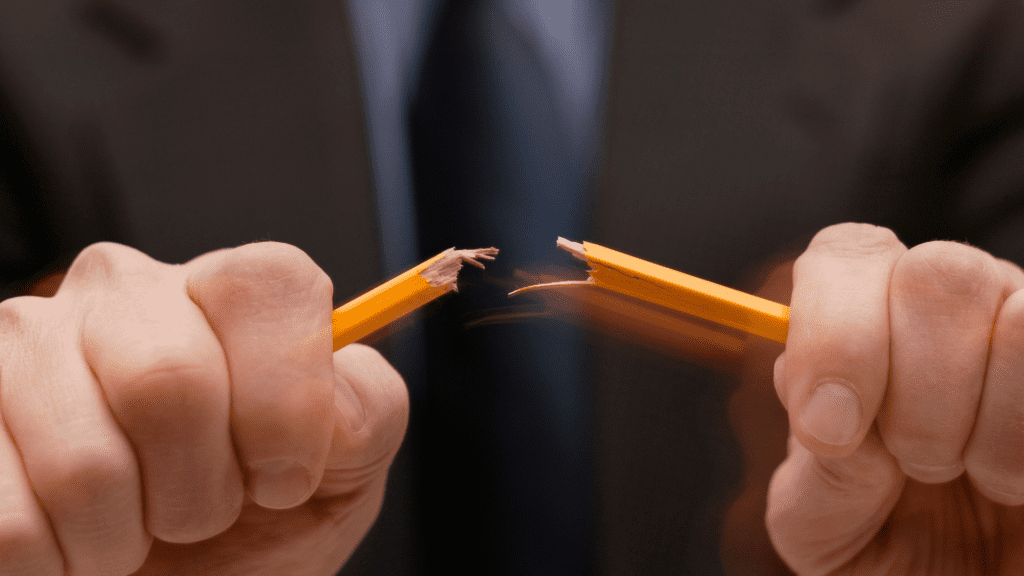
(822, 512)
(371, 413)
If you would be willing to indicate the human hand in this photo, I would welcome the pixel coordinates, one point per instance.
(903, 379)
(137, 398)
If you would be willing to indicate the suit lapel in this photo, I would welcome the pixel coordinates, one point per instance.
(191, 126)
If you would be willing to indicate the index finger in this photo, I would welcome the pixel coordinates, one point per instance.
(837, 353)
(270, 307)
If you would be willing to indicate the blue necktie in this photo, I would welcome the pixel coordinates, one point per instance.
(501, 426)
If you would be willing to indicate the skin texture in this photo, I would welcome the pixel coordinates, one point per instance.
(903, 381)
(189, 419)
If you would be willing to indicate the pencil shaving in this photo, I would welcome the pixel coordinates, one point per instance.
(535, 287)
(444, 272)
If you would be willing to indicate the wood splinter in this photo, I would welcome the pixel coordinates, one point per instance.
(399, 296)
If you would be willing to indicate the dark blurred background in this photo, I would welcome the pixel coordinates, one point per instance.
(711, 137)
(569, 452)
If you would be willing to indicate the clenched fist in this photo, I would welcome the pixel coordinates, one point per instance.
(189, 419)
(903, 378)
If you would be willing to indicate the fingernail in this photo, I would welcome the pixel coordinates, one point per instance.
(832, 415)
(932, 474)
(278, 483)
(1005, 498)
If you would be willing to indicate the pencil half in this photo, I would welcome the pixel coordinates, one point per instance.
(676, 290)
(371, 311)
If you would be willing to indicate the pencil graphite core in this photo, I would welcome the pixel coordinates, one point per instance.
(399, 296)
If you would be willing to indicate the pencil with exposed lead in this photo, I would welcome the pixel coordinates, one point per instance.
(662, 286)
(375, 309)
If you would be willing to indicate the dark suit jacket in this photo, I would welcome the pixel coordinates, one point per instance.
(735, 130)
(181, 127)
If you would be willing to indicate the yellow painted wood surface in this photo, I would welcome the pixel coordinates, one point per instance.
(384, 304)
(680, 291)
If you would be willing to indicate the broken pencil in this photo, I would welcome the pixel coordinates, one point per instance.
(661, 286)
(399, 296)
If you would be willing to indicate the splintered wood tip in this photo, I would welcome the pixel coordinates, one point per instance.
(444, 272)
(574, 248)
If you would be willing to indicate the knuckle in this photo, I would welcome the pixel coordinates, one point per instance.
(19, 318)
(19, 530)
(169, 387)
(855, 240)
(1011, 317)
(1014, 273)
(946, 268)
(102, 263)
(24, 540)
(79, 478)
(257, 271)
(16, 314)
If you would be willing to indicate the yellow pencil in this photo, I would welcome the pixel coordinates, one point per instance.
(676, 290)
(401, 295)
